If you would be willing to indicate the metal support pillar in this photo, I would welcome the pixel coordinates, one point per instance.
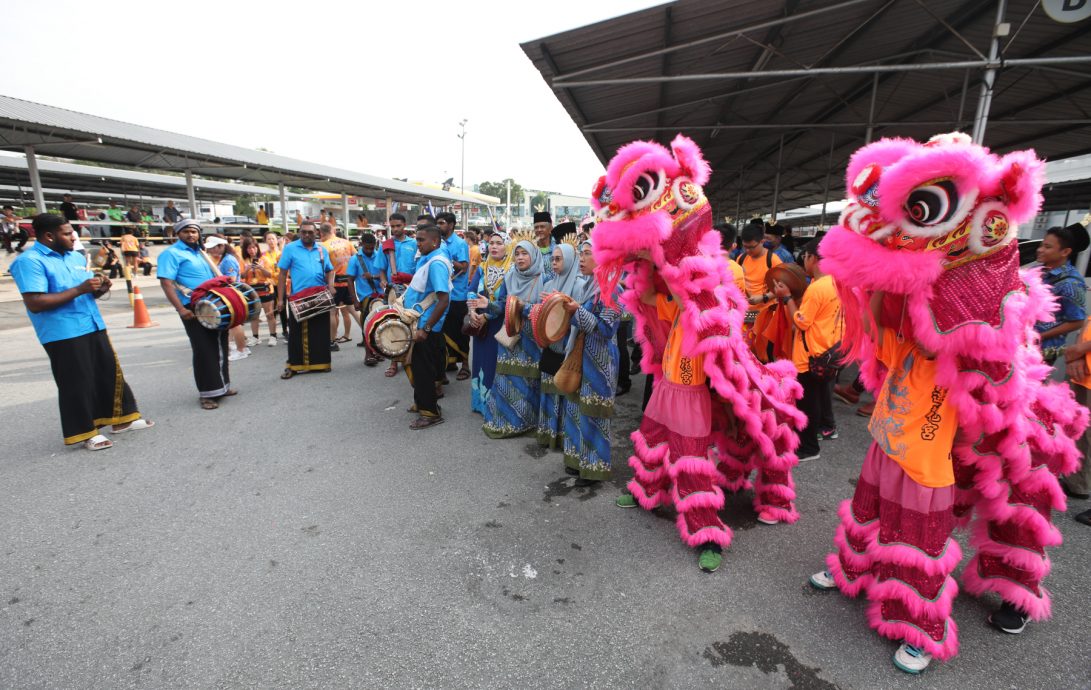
(283, 209)
(871, 109)
(984, 100)
(35, 179)
(191, 196)
(962, 98)
(389, 209)
(345, 212)
(826, 193)
(776, 182)
(738, 202)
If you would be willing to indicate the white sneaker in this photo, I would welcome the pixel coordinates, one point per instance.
(272, 341)
(252, 341)
(823, 580)
(231, 346)
(235, 356)
(911, 659)
(807, 458)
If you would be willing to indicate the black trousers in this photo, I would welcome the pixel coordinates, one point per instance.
(424, 368)
(817, 404)
(624, 330)
(458, 343)
(210, 370)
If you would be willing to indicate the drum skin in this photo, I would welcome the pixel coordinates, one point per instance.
(791, 275)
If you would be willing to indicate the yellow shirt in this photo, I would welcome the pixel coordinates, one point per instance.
(263, 217)
(913, 421)
(740, 276)
(818, 319)
(754, 271)
(129, 243)
(341, 252)
(688, 371)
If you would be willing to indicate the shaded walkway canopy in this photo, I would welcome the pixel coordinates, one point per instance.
(779, 93)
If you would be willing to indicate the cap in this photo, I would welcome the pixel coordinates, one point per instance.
(214, 242)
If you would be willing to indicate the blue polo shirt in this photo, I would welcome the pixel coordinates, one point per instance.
(374, 264)
(457, 250)
(405, 255)
(229, 266)
(307, 267)
(184, 265)
(439, 280)
(40, 269)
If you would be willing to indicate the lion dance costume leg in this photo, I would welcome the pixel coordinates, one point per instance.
(934, 224)
(717, 414)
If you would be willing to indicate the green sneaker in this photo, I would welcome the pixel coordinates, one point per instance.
(710, 558)
(625, 501)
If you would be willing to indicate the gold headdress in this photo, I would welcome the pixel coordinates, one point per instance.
(520, 235)
(570, 240)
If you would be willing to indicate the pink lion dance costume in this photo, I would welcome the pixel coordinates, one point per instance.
(651, 203)
(934, 225)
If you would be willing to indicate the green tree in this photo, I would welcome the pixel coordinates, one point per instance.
(539, 202)
(244, 206)
(500, 190)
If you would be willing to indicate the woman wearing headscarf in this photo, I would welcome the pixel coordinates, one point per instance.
(485, 347)
(512, 406)
(566, 279)
(588, 412)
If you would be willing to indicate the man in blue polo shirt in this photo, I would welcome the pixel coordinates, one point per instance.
(400, 252)
(458, 252)
(368, 268)
(429, 293)
(308, 265)
(59, 294)
(182, 268)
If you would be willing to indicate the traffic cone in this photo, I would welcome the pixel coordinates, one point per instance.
(140, 312)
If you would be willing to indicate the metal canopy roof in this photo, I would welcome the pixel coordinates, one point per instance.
(742, 76)
(69, 134)
(81, 179)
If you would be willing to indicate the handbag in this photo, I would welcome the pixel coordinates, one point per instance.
(570, 375)
(826, 366)
(508, 341)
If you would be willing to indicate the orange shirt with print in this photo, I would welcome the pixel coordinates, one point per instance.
(129, 243)
(754, 271)
(914, 423)
(739, 275)
(341, 252)
(677, 368)
(818, 319)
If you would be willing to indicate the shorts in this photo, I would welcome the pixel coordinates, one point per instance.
(267, 297)
(341, 296)
(137, 253)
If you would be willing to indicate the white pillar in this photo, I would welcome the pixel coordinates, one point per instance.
(35, 179)
(190, 195)
(507, 209)
(283, 209)
(345, 212)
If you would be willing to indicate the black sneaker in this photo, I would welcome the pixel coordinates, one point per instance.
(334, 347)
(1008, 619)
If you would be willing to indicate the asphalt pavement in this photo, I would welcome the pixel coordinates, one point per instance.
(303, 536)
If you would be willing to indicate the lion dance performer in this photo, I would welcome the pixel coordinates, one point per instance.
(716, 413)
(941, 320)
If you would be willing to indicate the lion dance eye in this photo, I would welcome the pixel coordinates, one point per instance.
(933, 203)
(647, 188)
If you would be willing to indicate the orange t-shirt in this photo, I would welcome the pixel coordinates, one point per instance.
(740, 276)
(754, 271)
(687, 371)
(913, 421)
(818, 319)
(129, 243)
(1085, 335)
(341, 252)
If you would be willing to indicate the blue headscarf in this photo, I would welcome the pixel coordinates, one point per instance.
(526, 285)
(567, 280)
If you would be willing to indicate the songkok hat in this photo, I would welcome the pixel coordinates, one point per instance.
(559, 232)
(543, 217)
(1080, 238)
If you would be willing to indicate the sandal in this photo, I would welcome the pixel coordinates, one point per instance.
(462, 374)
(230, 392)
(392, 370)
(343, 339)
(209, 404)
(98, 442)
(425, 422)
(411, 408)
(288, 373)
(135, 425)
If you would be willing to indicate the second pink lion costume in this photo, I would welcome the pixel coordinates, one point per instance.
(717, 413)
(932, 227)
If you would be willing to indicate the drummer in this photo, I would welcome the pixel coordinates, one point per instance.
(181, 269)
(368, 269)
(308, 265)
(566, 280)
(428, 293)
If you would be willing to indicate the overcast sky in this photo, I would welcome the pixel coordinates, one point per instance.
(377, 87)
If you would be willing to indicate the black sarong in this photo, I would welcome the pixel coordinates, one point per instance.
(209, 359)
(424, 368)
(309, 343)
(457, 342)
(90, 386)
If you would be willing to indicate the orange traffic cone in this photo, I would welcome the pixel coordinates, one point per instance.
(140, 312)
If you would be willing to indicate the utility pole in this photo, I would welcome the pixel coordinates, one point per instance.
(507, 209)
(462, 182)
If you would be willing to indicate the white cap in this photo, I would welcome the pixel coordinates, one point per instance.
(214, 242)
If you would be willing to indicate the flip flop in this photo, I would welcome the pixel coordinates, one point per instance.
(462, 375)
(391, 371)
(288, 373)
(425, 422)
(230, 392)
(135, 425)
(343, 339)
(209, 404)
(98, 442)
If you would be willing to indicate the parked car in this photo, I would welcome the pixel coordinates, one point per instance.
(226, 222)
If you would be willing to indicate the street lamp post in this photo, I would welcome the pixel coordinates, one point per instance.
(462, 180)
